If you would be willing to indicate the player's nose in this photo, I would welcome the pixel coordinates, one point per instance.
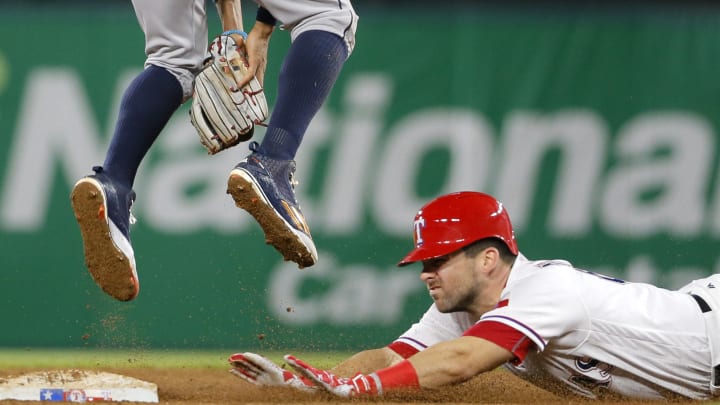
(427, 275)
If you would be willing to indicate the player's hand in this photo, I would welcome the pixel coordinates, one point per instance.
(256, 47)
(341, 386)
(261, 371)
(229, 53)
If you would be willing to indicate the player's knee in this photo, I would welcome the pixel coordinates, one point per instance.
(184, 76)
(183, 64)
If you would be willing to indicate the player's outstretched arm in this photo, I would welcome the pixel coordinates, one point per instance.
(367, 361)
(457, 360)
(446, 363)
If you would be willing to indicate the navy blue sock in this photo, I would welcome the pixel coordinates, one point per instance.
(309, 71)
(147, 105)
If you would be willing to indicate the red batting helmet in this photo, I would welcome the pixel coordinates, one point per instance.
(455, 220)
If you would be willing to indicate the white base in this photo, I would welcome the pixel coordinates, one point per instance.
(76, 386)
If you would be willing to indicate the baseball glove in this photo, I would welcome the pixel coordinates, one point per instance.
(223, 114)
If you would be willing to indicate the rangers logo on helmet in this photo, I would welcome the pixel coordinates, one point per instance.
(418, 224)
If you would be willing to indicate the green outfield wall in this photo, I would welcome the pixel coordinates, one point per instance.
(598, 129)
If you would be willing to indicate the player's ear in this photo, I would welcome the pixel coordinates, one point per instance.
(490, 257)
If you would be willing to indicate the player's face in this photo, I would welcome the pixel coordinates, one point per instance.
(453, 282)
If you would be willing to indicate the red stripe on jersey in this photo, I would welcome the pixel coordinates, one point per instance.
(502, 335)
(403, 349)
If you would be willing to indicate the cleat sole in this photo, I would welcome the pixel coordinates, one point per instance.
(107, 264)
(278, 232)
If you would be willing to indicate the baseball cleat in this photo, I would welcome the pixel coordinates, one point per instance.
(102, 210)
(265, 188)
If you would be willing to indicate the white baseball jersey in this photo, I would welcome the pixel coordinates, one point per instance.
(176, 31)
(591, 335)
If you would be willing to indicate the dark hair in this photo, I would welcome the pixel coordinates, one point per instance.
(476, 247)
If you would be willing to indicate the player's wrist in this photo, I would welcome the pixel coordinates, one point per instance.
(399, 376)
(242, 33)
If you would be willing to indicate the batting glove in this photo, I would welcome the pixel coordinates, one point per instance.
(344, 387)
(261, 371)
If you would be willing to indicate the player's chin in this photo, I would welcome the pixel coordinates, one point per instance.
(439, 302)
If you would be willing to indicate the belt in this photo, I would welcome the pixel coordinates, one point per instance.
(704, 307)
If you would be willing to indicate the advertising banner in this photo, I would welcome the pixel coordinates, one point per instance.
(597, 130)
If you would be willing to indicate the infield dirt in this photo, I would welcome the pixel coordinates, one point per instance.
(214, 386)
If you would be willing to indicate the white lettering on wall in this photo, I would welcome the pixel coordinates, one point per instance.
(55, 133)
(581, 137)
(652, 177)
(660, 181)
(465, 134)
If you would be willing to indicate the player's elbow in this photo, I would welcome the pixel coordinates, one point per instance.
(460, 364)
(459, 370)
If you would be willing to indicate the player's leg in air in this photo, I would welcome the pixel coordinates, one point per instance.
(102, 201)
(263, 183)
